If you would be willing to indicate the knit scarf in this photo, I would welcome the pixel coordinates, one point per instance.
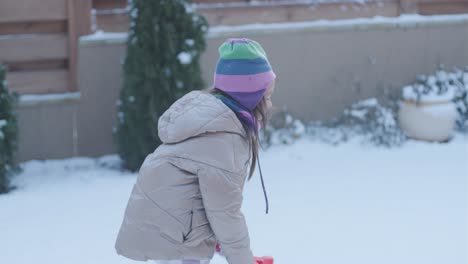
(244, 115)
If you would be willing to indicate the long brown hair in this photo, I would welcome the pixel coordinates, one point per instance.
(262, 114)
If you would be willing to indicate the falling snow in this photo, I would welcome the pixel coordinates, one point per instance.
(185, 57)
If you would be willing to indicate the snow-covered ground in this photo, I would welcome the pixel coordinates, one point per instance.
(329, 205)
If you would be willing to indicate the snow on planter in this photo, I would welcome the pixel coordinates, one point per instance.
(427, 110)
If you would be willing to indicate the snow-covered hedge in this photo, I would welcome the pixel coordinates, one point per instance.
(8, 132)
(283, 129)
(372, 121)
(367, 120)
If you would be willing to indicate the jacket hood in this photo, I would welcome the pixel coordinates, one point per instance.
(196, 113)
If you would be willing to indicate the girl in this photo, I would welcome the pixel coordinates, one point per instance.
(188, 193)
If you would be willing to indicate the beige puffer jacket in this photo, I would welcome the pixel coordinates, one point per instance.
(188, 193)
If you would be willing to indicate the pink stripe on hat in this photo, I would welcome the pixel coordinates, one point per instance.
(244, 83)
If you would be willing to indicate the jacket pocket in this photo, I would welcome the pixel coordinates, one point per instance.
(177, 233)
(200, 230)
(172, 238)
(190, 226)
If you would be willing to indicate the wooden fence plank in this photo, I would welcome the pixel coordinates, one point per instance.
(79, 23)
(112, 22)
(82, 18)
(32, 10)
(109, 4)
(72, 43)
(445, 7)
(218, 1)
(38, 82)
(33, 47)
(336, 11)
(33, 27)
(296, 13)
(38, 65)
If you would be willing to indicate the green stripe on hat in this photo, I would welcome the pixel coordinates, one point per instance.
(251, 50)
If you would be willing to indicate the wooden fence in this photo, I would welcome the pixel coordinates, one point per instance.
(38, 42)
(111, 14)
(38, 39)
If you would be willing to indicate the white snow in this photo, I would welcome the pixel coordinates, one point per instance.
(133, 13)
(358, 113)
(378, 22)
(184, 57)
(167, 71)
(367, 103)
(34, 99)
(104, 37)
(115, 11)
(179, 84)
(387, 118)
(3, 123)
(329, 205)
(237, 4)
(299, 128)
(189, 8)
(121, 117)
(410, 94)
(190, 42)
(288, 119)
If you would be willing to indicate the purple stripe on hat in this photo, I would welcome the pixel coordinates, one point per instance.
(237, 40)
(249, 100)
(244, 83)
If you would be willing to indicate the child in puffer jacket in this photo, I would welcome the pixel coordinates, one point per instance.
(188, 194)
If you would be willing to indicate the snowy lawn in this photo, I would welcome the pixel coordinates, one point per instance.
(329, 205)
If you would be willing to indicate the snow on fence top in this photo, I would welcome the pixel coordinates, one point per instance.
(378, 22)
(254, 3)
(403, 21)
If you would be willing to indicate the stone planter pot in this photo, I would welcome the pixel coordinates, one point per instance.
(431, 121)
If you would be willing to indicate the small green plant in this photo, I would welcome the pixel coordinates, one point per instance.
(8, 132)
(165, 42)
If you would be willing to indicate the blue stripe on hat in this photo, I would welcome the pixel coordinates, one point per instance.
(242, 66)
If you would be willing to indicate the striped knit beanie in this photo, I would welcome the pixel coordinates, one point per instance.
(243, 71)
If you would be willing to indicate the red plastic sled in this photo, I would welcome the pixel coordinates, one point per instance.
(263, 260)
(258, 260)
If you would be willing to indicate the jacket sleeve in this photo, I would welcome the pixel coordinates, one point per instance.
(222, 197)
